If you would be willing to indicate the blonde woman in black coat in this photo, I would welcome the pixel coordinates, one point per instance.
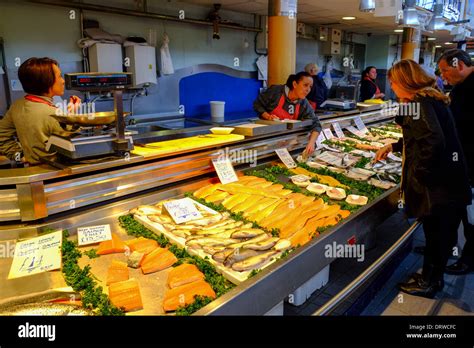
(435, 185)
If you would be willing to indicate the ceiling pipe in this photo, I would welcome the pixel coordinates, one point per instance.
(133, 13)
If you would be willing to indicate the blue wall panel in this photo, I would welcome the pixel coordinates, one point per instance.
(198, 90)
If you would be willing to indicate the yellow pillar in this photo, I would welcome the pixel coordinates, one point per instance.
(281, 40)
(411, 43)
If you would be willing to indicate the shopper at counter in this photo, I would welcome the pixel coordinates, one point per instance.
(457, 69)
(435, 184)
(319, 91)
(289, 101)
(29, 119)
(368, 86)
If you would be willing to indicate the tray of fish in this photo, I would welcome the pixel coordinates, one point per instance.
(234, 248)
(382, 167)
(359, 174)
(44, 304)
(340, 160)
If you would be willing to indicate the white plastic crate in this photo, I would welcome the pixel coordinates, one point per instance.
(300, 295)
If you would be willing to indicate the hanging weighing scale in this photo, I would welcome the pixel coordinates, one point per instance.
(93, 141)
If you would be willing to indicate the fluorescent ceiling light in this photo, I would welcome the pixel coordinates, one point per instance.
(431, 39)
(398, 30)
(448, 43)
(438, 46)
(349, 18)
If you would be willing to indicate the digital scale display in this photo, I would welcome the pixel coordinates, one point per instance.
(98, 81)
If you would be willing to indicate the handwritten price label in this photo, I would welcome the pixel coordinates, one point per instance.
(360, 125)
(286, 158)
(319, 141)
(182, 210)
(338, 130)
(355, 131)
(93, 234)
(37, 255)
(225, 170)
(328, 134)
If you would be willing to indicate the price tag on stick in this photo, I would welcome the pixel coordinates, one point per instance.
(225, 170)
(37, 255)
(182, 210)
(286, 158)
(338, 130)
(319, 140)
(360, 125)
(328, 134)
(93, 234)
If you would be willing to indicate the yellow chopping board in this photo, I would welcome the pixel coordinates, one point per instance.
(191, 143)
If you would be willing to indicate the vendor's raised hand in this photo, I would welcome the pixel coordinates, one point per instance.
(74, 104)
(309, 150)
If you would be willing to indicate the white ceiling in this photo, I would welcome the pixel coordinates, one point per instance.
(323, 12)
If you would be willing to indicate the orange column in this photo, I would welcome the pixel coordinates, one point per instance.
(411, 43)
(281, 40)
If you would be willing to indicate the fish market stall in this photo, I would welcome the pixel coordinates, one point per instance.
(246, 257)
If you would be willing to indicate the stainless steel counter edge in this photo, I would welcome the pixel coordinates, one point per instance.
(44, 172)
(259, 294)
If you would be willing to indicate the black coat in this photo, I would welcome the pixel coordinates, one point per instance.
(461, 106)
(435, 171)
(319, 91)
(367, 90)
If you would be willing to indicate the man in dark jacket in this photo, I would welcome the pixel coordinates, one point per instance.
(457, 69)
(319, 91)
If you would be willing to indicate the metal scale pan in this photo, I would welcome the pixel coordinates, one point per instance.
(95, 119)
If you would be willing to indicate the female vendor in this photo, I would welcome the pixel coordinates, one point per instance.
(29, 119)
(368, 87)
(288, 102)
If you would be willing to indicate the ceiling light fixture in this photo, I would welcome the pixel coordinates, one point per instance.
(349, 18)
(437, 22)
(438, 46)
(367, 5)
(398, 30)
(448, 43)
(431, 39)
(410, 15)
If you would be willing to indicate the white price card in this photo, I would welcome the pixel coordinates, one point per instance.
(360, 125)
(338, 130)
(286, 158)
(394, 158)
(355, 131)
(93, 234)
(182, 210)
(37, 255)
(328, 134)
(225, 170)
(319, 141)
